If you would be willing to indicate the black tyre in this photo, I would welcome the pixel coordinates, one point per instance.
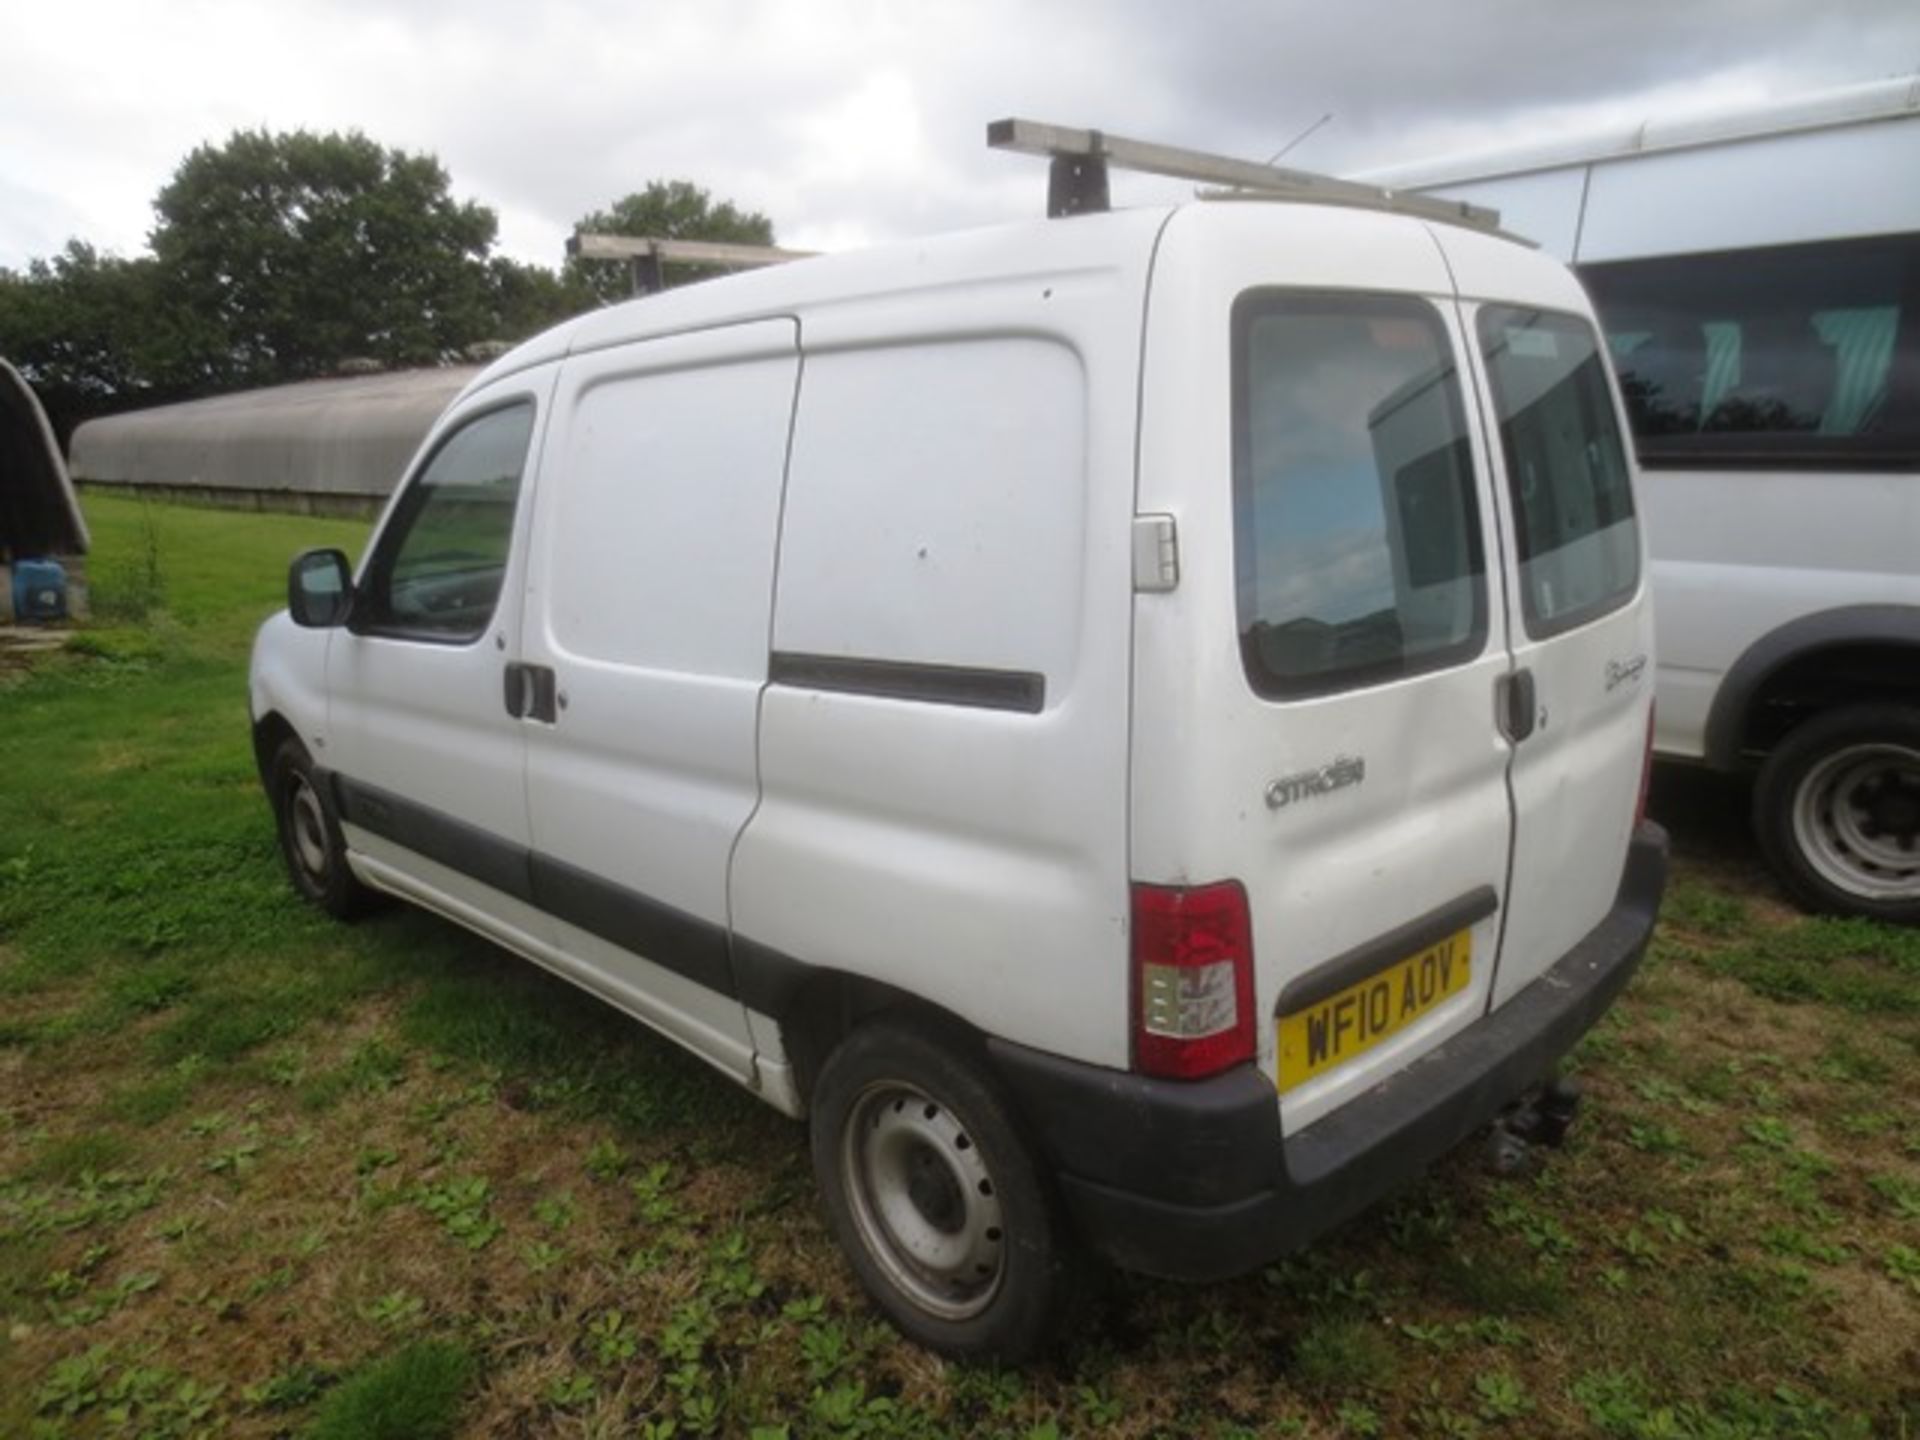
(1837, 812)
(310, 839)
(937, 1198)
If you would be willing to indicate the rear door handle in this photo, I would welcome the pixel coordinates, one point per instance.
(531, 692)
(1516, 703)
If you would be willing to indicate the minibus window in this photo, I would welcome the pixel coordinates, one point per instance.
(1781, 356)
(1358, 555)
(1579, 544)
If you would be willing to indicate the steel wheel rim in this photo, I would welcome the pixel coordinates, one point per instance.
(925, 1205)
(1856, 817)
(307, 827)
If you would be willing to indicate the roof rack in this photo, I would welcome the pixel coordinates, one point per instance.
(1077, 181)
(647, 257)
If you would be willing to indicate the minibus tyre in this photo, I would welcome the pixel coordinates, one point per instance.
(309, 831)
(936, 1197)
(1836, 808)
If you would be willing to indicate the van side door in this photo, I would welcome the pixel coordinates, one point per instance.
(428, 764)
(644, 651)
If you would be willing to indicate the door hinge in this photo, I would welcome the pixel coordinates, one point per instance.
(1156, 554)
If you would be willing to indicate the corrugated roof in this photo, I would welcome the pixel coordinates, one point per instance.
(351, 435)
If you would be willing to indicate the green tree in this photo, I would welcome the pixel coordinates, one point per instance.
(286, 254)
(665, 210)
(90, 333)
(526, 299)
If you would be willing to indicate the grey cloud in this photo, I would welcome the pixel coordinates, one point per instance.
(862, 119)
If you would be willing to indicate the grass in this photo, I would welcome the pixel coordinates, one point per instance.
(263, 1174)
(412, 1394)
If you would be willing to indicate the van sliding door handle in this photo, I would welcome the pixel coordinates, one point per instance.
(531, 692)
(1515, 702)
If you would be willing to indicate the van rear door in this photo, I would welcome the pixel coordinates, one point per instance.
(1578, 704)
(1314, 700)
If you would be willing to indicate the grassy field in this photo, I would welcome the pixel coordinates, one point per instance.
(263, 1174)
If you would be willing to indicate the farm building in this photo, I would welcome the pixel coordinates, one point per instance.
(42, 535)
(333, 446)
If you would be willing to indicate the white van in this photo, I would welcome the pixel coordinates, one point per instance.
(1133, 725)
(1758, 275)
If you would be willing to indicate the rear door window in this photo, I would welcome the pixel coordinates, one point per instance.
(1358, 552)
(1579, 543)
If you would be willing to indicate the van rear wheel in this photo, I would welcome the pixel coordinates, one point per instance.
(936, 1197)
(1837, 812)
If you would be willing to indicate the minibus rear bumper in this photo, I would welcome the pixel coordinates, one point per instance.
(1194, 1181)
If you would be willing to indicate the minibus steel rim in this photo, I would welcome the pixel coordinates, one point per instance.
(1856, 816)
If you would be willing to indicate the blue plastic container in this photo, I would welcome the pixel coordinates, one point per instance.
(39, 590)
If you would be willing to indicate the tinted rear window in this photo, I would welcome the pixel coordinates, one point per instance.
(1566, 466)
(1792, 354)
(1357, 533)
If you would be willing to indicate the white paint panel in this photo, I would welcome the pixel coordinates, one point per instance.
(1575, 780)
(1855, 180)
(1742, 553)
(1429, 824)
(651, 598)
(976, 857)
(427, 720)
(936, 505)
(660, 554)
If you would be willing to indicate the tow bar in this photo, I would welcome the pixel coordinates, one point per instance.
(1542, 1116)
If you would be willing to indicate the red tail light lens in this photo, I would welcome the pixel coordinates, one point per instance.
(1192, 979)
(1646, 773)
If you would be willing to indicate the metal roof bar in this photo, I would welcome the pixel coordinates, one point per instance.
(1078, 180)
(647, 256)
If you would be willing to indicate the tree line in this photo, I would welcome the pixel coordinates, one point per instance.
(278, 257)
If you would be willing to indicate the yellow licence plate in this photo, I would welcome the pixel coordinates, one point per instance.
(1332, 1031)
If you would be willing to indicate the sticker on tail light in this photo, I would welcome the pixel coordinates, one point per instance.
(1192, 979)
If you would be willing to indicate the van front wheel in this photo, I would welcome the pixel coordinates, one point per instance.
(935, 1196)
(1837, 811)
(310, 839)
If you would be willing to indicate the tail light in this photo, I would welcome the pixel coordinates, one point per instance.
(1192, 979)
(1646, 772)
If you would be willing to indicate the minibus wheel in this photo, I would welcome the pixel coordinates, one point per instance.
(935, 1195)
(1837, 811)
(310, 839)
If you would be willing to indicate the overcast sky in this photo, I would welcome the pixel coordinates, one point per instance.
(851, 121)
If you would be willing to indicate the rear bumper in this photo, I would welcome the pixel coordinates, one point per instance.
(1193, 1181)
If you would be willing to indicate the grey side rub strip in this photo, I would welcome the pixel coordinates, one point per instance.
(1020, 690)
(700, 950)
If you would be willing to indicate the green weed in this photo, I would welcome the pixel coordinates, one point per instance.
(413, 1394)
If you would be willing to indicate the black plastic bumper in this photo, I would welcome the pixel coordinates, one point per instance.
(1193, 1181)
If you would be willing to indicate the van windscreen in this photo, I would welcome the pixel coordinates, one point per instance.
(1358, 555)
(1566, 467)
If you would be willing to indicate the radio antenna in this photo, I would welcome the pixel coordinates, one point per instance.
(1284, 149)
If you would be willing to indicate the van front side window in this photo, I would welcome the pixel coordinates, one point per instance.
(437, 573)
(1358, 555)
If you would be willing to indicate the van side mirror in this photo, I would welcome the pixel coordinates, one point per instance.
(319, 589)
